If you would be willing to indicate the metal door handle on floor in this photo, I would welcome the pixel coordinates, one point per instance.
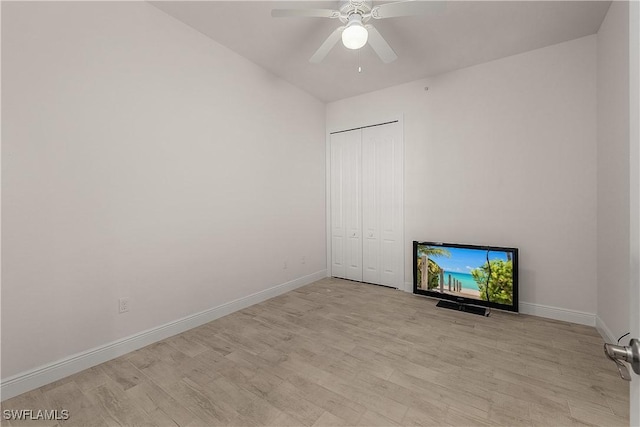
(629, 354)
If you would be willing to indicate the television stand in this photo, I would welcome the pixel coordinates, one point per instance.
(451, 305)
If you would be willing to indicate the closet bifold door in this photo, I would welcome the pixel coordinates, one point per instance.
(346, 205)
(382, 177)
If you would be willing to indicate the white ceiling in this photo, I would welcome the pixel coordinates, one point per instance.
(452, 35)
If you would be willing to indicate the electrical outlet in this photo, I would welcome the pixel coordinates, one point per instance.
(303, 260)
(123, 305)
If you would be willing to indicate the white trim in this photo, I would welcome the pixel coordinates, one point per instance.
(54, 371)
(634, 197)
(557, 313)
(402, 220)
(604, 331)
(327, 203)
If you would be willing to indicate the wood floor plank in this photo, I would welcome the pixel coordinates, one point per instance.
(460, 417)
(334, 403)
(90, 378)
(403, 395)
(258, 412)
(328, 419)
(187, 345)
(421, 416)
(122, 372)
(453, 395)
(111, 402)
(152, 399)
(286, 398)
(371, 418)
(196, 400)
(364, 395)
(68, 397)
(595, 417)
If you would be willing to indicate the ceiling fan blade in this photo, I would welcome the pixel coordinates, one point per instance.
(404, 8)
(380, 45)
(326, 47)
(309, 13)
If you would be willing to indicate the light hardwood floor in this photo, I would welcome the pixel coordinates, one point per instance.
(343, 353)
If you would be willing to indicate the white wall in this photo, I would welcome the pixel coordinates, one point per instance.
(143, 160)
(613, 171)
(503, 153)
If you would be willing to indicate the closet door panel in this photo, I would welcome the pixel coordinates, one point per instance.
(383, 144)
(338, 227)
(346, 205)
(352, 202)
(371, 256)
(390, 175)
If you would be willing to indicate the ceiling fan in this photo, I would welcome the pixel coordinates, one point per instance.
(356, 32)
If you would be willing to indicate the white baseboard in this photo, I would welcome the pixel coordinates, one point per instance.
(34, 378)
(556, 313)
(604, 331)
(548, 312)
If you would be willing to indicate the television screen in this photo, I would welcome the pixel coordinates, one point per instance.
(467, 274)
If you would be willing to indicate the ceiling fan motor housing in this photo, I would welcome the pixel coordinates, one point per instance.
(349, 7)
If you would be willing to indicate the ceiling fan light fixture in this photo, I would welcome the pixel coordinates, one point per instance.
(355, 35)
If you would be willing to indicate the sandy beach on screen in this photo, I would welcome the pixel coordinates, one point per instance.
(464, 293)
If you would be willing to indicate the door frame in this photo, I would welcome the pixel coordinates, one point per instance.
(634, 197)
(405, 286)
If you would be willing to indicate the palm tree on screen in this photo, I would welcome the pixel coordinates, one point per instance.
(434, 269)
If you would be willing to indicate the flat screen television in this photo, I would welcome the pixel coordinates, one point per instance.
(466, 277)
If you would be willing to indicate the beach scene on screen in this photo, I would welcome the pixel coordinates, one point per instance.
(472, 273)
